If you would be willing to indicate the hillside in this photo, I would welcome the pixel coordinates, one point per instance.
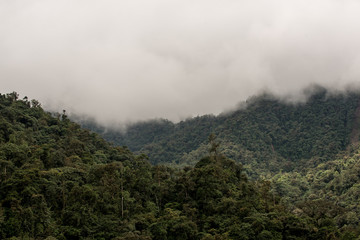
(59, 181)
(264, 134)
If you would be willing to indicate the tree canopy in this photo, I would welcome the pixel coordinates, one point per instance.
(60, 181)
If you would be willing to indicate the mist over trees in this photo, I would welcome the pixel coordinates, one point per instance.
(267, 135)
(283, 164)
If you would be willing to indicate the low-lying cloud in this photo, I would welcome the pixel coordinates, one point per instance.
(121, 61)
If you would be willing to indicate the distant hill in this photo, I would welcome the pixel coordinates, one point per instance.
(264, 134)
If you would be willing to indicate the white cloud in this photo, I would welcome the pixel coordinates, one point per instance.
(139, 59)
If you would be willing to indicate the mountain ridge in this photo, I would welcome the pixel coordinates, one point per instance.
(268, 131)
(59, 181)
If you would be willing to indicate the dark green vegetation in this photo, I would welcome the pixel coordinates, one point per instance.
(61, 181)
(266, 136)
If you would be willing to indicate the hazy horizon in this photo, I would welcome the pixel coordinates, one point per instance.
(123, 61)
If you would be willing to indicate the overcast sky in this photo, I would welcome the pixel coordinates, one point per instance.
(127, 60)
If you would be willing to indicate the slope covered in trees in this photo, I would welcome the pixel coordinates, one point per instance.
(267, 135)
(59, 181)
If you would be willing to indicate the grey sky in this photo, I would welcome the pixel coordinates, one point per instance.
(138, 59)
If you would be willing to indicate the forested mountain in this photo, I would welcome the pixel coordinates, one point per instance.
(59, 181)
(265, 134)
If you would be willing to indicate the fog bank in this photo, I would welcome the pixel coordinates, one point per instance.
(121, 61)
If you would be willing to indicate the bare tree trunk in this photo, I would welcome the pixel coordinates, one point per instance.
(122, 192)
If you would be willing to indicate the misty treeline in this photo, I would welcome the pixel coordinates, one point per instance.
(265, 134)
(59, 181)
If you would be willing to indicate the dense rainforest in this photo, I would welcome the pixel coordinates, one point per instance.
(60, 181)
(264, 134)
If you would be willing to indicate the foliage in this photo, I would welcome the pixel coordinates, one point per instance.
(59, 181)
(265, 134)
